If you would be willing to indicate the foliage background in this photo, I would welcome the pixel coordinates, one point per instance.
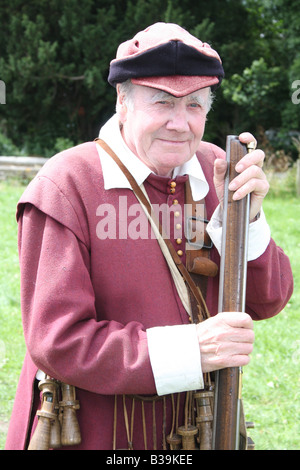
(55, 55)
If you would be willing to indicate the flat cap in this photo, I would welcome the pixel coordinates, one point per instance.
(167, 57)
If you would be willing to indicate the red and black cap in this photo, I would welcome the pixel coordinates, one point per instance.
(167, 57)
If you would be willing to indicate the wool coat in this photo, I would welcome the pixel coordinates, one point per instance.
(87, 300)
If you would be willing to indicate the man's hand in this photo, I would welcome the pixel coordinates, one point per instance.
(251, 178)
(225, 340)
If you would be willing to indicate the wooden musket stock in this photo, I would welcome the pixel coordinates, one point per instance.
(232, 291)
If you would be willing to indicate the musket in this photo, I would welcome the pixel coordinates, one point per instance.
(232, 294)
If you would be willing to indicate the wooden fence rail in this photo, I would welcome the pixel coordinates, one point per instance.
(20, 167)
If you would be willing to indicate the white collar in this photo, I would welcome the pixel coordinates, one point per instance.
(114, 177)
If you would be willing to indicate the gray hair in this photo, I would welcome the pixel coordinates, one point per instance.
(126, 89)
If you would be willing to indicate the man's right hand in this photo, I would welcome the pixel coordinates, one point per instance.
(225, 340)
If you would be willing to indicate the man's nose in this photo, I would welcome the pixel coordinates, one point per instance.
(178, 120)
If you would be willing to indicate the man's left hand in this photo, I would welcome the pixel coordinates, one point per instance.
(251, 178)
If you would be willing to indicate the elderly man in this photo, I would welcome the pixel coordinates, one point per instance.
(102, 308)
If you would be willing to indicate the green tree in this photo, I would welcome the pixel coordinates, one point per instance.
(55, 56)
(261, 95)
(54, 65)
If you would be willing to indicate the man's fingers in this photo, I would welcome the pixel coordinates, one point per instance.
(237, 360)
(256, 157)
(225, 340)
(236, 319)
(246, 138)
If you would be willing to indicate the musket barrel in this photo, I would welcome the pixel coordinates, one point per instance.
(232, 292)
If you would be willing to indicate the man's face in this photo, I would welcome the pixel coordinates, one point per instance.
(164, 131)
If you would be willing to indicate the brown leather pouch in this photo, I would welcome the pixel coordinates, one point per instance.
(199, 243)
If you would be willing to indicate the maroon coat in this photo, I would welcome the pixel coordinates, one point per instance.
(87, 302)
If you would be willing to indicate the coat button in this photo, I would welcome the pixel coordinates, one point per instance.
(180, 252)
(178, 241)
(172, 185)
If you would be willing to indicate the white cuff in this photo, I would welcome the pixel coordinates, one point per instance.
(259, 234)
(259, 237)
(175, 358)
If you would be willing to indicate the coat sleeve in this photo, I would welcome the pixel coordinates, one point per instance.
(61, 330)
(269, 283)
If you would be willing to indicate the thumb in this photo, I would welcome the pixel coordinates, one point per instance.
(220, 168)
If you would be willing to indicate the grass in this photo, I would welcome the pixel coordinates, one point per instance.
(12, 346)
(271, 387)
(270, 381)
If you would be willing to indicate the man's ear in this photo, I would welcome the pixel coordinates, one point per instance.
(121, 105)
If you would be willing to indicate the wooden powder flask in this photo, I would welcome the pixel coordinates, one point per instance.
(232, 292)
(188, 434)
(70, 432)
(174, 441)
(57, 422)
(55, 431)
(47, 432)
(204, 417)
(188, 431)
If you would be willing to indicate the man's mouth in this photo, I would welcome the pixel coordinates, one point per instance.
(174, 141)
